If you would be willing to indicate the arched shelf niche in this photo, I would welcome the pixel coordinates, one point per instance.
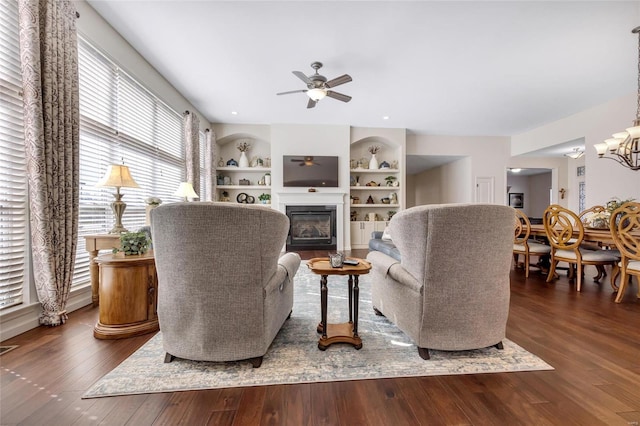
(250, 184)
(375, 194)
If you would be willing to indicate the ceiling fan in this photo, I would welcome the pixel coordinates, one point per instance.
(307, 161)
(318, 86)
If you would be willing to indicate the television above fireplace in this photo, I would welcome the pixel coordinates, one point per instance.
(310, 171)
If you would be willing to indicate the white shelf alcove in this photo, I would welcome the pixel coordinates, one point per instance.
(317, 199)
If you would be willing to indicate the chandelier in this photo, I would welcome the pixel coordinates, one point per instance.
(624, 147)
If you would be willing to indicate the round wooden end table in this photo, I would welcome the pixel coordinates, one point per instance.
(128, 296)
(345, 332)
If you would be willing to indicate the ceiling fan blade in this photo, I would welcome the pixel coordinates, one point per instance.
(291, 91)
(311, 103)
(302, 77)
(338, 81)
(338, 96)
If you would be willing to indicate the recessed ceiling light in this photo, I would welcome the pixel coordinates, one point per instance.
(234, 112)
(385, 117)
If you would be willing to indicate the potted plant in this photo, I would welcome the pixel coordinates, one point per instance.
(133, 243)
(616, 202)
(264, 198)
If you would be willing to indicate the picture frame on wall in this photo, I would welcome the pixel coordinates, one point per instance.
(516, 200)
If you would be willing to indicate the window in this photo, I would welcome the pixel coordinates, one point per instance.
(121, 122)
(13, 176)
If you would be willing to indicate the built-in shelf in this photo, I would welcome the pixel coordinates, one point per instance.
(360, 206)
(265, 187)
(373, 188)
(243, 169)
(382, 171)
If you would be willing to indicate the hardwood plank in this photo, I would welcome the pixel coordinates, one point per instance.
(176, 409)
(324, 410)
(250, 406)
(205, 405)
(149, 410)
(386, 404)
(121, 411)
(351, 408)
(430, 403)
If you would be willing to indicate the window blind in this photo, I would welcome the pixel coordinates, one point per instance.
(121, 122)
(13, 179)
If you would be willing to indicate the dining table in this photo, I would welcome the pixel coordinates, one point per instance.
(600, 236)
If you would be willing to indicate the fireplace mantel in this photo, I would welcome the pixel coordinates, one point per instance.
(300, 198)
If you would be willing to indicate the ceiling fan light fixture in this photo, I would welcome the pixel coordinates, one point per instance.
(317, 94)
(576, 153)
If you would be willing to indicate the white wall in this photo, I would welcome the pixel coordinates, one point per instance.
(539, 187)
(425, 188)
(485, 156)
(300, 139)
(99, 33)
(604, 178)
(559, 174)
(535, 190)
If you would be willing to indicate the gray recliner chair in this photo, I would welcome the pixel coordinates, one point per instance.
(224, 291)
(451, 290)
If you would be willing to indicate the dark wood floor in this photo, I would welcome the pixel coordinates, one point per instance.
(593, 344)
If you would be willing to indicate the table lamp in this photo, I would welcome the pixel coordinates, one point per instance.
(118, 176)
(186, 191)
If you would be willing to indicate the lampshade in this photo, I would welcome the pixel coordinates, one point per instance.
(601, 148)
(316, 94)
(186, 190)
(118, 176)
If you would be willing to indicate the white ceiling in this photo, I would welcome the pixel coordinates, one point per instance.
(443, 68)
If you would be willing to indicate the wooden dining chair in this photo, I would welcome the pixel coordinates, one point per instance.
(625, 227)
(586, 217)
(522, 245)
(565, 232)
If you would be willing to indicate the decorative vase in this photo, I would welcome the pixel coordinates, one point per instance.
(267, 179)
(244, 161)
(373, 163)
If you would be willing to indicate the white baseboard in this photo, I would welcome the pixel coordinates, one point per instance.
(25, 318)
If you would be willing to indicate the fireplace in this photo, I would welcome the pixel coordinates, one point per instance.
(311, 227)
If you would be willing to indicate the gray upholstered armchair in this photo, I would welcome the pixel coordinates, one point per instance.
(224, 292)
(451, 290)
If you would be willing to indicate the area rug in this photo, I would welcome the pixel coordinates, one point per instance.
(294, 356)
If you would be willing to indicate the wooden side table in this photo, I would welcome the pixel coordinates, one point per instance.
(345, 332)
(95, 243)
(128, 296)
